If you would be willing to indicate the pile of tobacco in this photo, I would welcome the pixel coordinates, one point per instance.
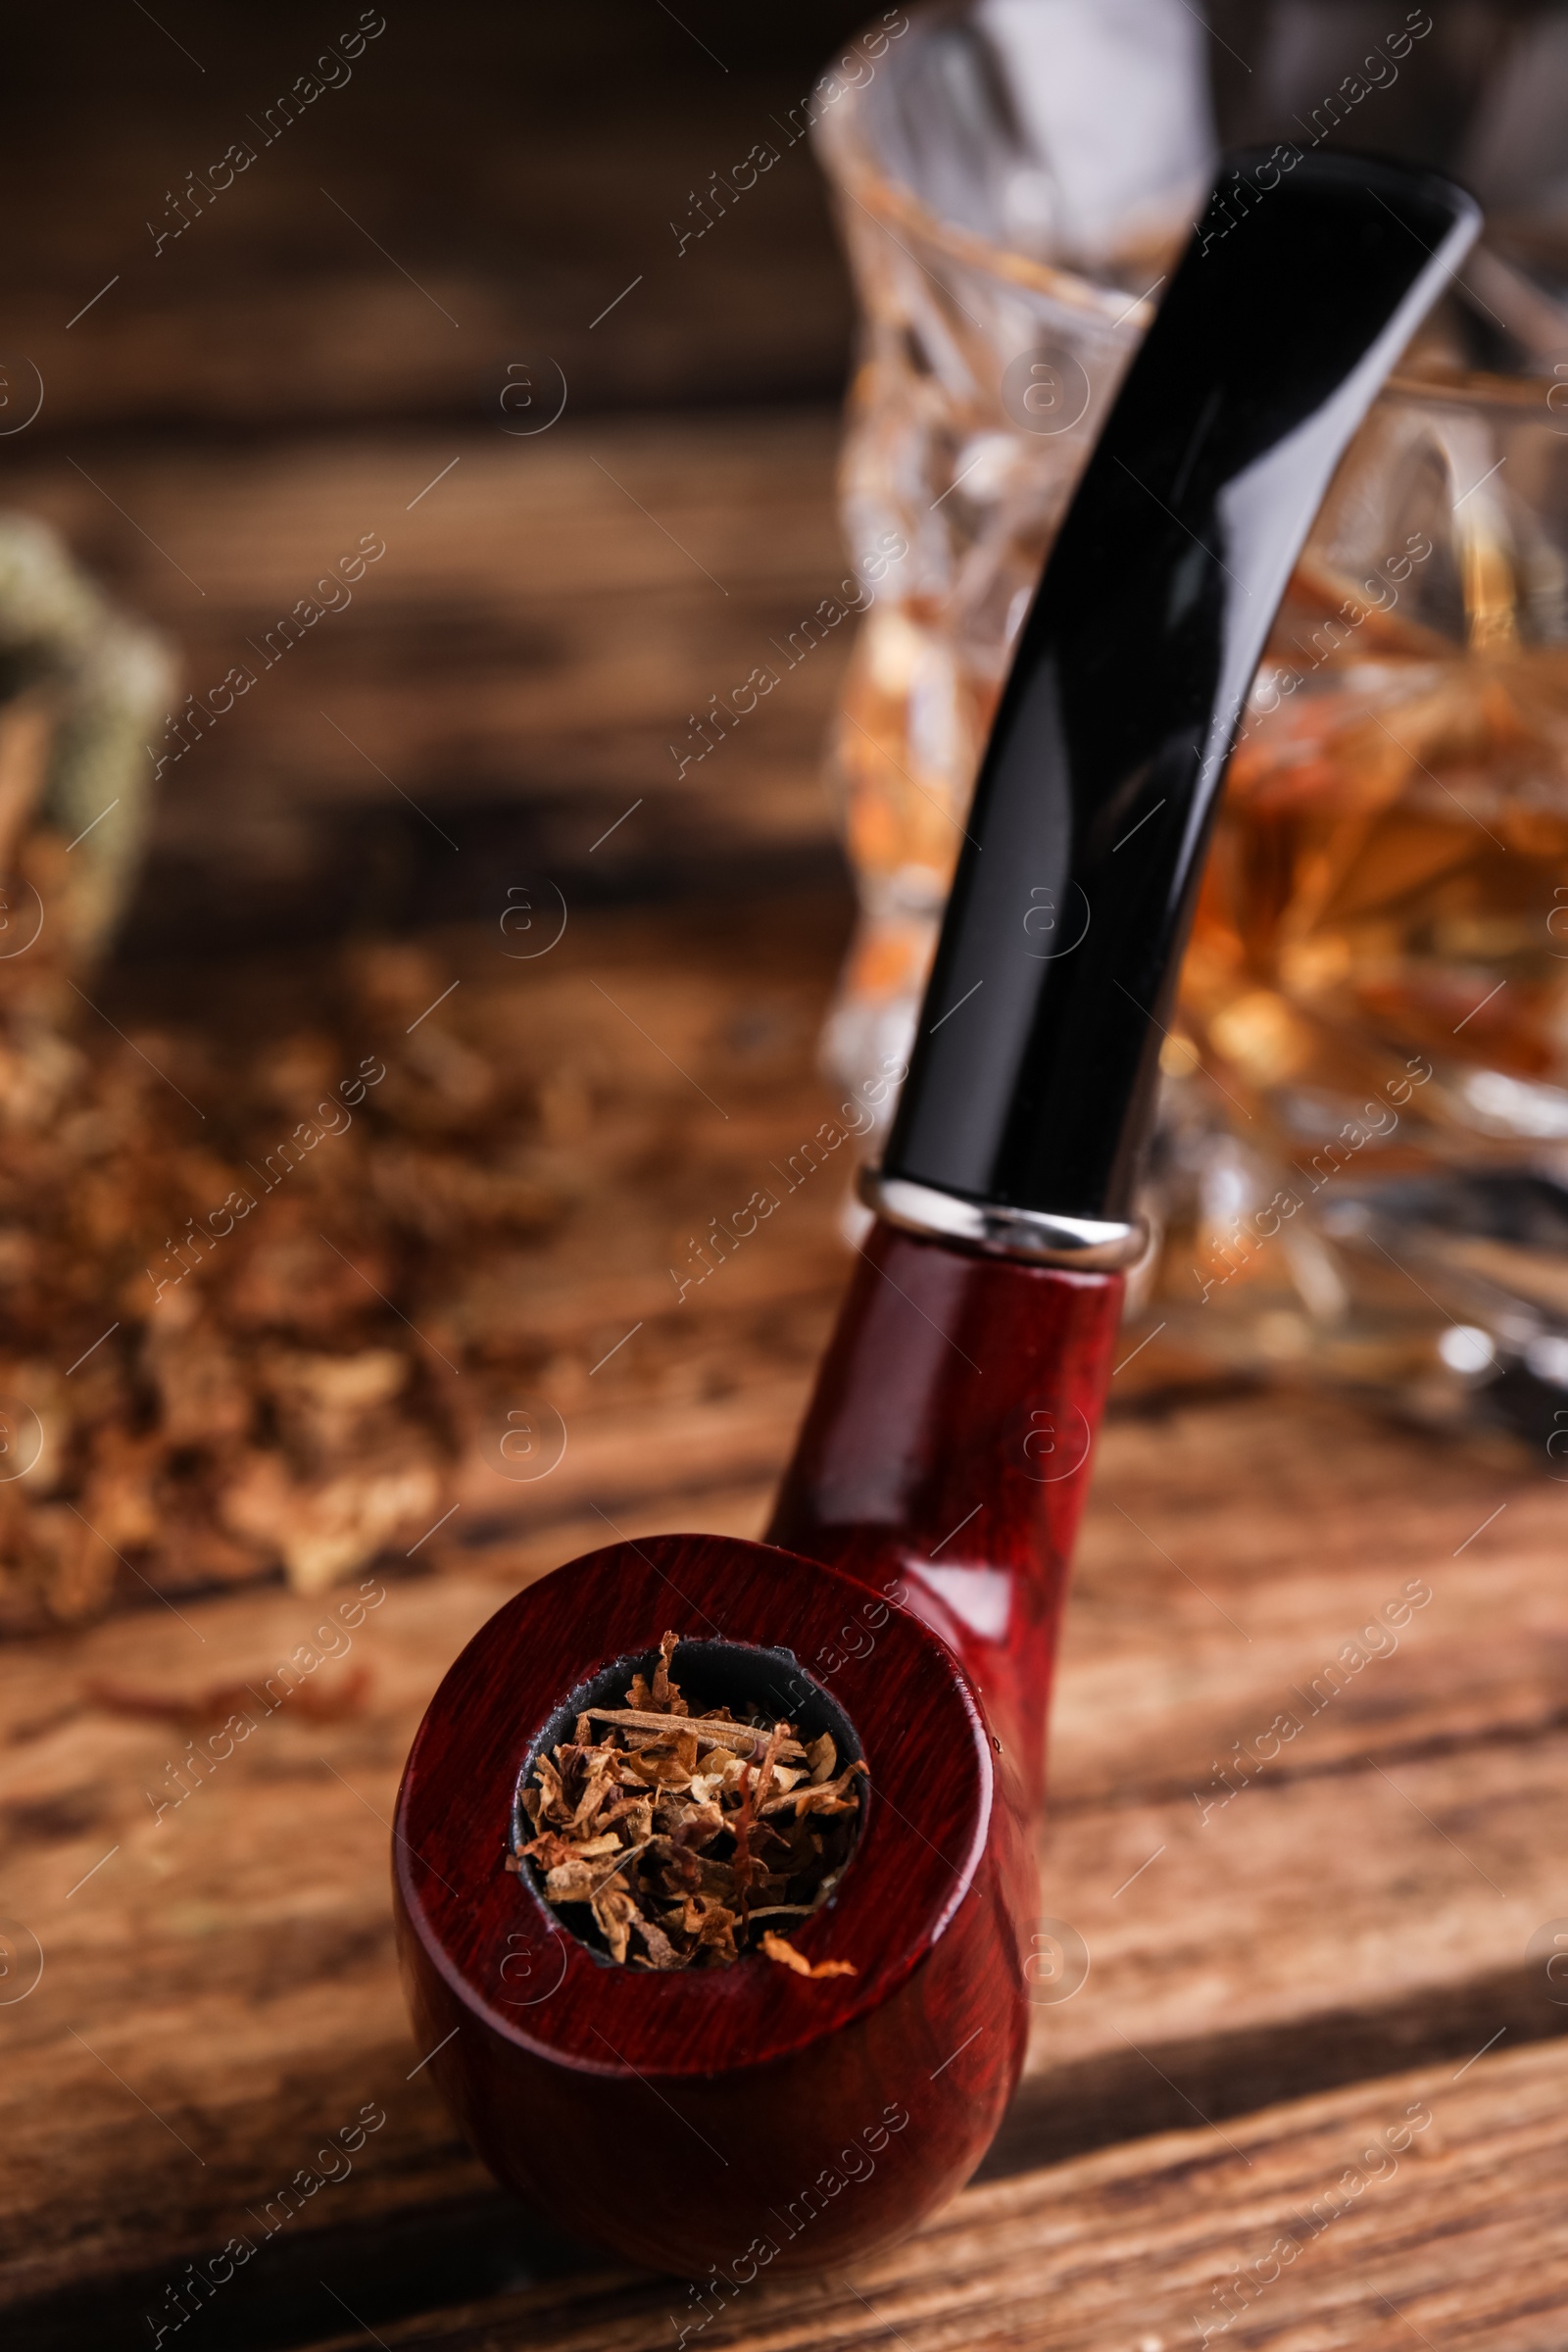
(699, 1835)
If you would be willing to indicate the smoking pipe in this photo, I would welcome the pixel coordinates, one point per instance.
(716, 2121)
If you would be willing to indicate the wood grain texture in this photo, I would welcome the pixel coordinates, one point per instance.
(502, 178)
(546, 624)
(748, 2079)
(1415, 2208)
(240, 1980)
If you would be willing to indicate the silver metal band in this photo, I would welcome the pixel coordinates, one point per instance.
(1088, 1245)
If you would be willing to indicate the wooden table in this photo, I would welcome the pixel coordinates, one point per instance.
(1278, 1976)
(1275, 1984)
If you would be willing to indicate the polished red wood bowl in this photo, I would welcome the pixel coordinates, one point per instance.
(741, 2116)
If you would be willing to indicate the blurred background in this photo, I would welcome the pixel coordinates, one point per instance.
(446, 312)
(398, 277)
(422, 435)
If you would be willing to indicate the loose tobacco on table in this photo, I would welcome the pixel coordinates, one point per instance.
(700, 1837)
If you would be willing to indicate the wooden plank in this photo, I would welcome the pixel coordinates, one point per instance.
(239, 1982)
(522, 221)
(1356, 1509)
(546, 623)
(1425, 2207)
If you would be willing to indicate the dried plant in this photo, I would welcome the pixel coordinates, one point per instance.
(689, 1838)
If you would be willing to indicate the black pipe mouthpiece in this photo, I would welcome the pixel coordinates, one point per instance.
(1031, 1083)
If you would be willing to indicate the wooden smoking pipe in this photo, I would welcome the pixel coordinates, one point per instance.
(719, 2119)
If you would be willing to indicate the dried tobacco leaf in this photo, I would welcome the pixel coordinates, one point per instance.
(778, 1947)
(268, 1299)
(680, 1833)
(195, 1710)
